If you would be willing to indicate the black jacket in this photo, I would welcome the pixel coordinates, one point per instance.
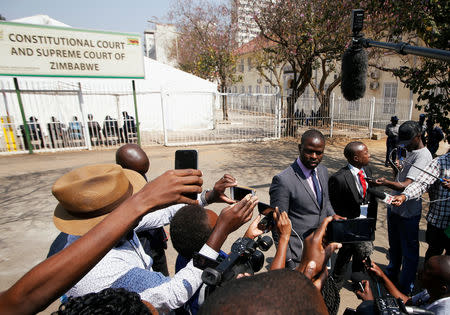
(344, 195)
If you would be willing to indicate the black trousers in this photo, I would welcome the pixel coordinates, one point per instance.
(437, 241)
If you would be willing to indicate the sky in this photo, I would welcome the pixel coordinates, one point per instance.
(128, 16)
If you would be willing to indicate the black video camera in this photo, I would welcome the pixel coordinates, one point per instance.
(244, 257)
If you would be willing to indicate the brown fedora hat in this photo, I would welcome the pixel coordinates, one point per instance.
(87, 194)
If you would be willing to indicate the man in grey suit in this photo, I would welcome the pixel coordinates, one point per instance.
(302, 191)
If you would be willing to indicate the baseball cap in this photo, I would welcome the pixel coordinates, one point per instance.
(407, 131)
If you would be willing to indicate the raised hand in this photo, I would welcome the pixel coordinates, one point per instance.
(315, 251)
(284, 225)
(253, 231)
(376, 270)
(168, 189)
(230, 219)
(380, 181)
(367, 295)
(218, 193)
(446, 183)
(398, 200)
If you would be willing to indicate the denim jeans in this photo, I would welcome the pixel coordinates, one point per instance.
(403, 250)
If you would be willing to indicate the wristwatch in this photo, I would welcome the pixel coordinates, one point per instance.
(203, 197)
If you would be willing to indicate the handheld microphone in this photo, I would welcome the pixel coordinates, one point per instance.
(357, 278)
(386, 198)
(417, 310)
(399, 152)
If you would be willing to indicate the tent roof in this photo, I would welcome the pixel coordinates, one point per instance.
(164, 77)
(41, 19)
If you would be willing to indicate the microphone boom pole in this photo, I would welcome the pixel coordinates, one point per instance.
(404, 49)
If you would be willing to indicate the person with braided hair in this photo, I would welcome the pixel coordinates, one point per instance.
(107, 302)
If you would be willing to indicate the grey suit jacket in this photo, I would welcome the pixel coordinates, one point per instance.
(291, 192)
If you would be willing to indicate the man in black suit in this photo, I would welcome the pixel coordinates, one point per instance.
(302, 191)
(350, 198)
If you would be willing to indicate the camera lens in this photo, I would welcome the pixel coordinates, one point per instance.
(265, 242)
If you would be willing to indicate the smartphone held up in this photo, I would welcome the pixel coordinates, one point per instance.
(187, 159)
(267, 222)
(237, 193)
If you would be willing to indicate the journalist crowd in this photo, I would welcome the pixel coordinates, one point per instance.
(110, 255)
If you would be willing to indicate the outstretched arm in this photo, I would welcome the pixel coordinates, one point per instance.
(315, 255)
(55, 275)
(399, 186)
(284, 230)
(388, 283)
(175, 292)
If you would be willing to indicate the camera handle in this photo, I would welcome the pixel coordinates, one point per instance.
(211, 277)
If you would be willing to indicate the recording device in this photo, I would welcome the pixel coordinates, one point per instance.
(367, 262)
(354, 59)
(401, 152)
(351, 230)
(202, 262)
(237, 193)
(244, 257)
(360, 286)
(383, 304)
(357, 21)
(389, 305)
(357, 279)
(386, 198)
(267, 222)
(185, 159)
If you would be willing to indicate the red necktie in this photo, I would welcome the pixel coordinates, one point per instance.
(363, 182)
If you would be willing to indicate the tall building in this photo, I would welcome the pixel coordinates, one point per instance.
(158, 42)
(247, 29)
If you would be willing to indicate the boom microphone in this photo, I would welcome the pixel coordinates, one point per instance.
(354, 62)
(354, 72)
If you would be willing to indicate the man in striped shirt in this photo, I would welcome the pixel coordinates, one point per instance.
(438, 216)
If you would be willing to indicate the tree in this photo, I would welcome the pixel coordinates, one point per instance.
(267, 62)
(307, 35)
(206, 42)
(424, 22)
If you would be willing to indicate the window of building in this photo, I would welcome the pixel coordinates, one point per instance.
(266, 89)
(241, 65)
(390, 98)
(249, 62)
(258, 89)
(235, 89)
(250, 89)
(242, 89)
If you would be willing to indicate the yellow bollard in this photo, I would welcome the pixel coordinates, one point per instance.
(8, 132)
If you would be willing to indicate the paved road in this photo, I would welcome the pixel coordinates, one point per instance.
(26, 203)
